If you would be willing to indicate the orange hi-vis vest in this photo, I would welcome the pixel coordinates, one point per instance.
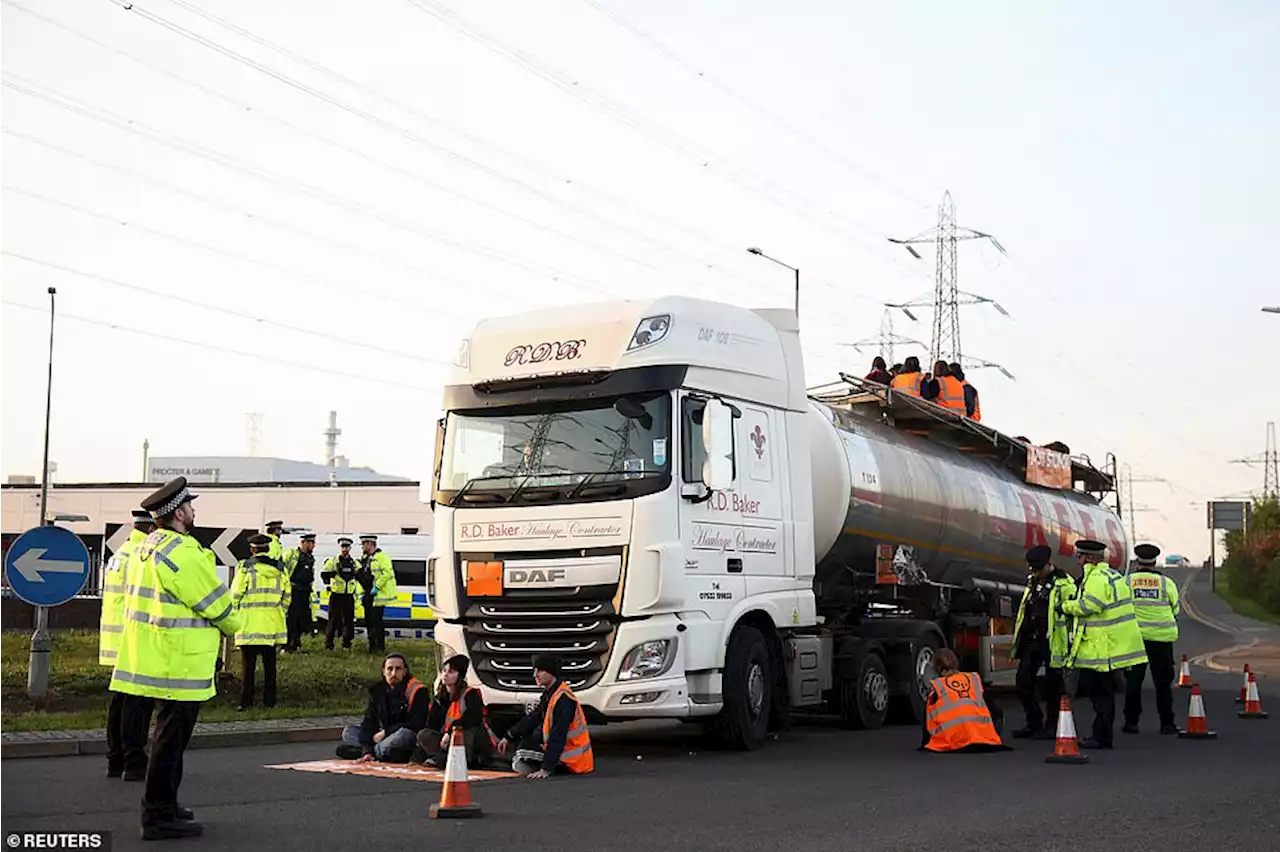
(411, 687)
(577, 744)
(908, 382)
(950, 393)
(958, 715)
(454, 713)
(976, 417)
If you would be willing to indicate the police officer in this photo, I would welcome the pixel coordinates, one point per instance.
(300, 566)
(173, 612)
(1041, 637)
(275, 529)
(1106, 639)
(378, 576)
(340, 573)
(261, 591)
(128, 716)
(1156, 602)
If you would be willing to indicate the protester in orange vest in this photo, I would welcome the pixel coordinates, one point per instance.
(957, 717)
(553, 738)
(943, 389)
(456, 705)
(396, 711)
(908, 379)
(972, 407)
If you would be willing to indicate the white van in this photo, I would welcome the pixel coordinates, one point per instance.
(410, 617)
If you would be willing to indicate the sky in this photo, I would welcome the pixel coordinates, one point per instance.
(291, 208)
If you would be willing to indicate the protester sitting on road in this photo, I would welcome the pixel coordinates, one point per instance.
(553, 738)
(456, 705)
(396, 712)
(957, 717)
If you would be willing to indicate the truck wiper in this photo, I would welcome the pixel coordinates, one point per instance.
(457, 497)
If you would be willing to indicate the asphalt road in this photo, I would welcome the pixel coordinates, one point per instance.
(817, 788)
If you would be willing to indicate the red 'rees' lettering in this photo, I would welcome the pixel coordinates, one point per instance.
(1117, 543)
(1066, 536)
(1087, 520)
(1035, 521)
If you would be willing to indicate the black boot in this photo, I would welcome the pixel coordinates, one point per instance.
(172, 830)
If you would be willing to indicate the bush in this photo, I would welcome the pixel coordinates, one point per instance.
(1252, 564)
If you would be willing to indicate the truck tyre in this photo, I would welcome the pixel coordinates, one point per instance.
(909, 708)
(864, 695)
(748, 692)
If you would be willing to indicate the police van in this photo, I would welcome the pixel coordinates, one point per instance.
(410, 617)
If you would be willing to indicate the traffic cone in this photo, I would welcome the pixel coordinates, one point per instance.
(1184, 676)
(455, 797)
(1066, 749)
(1197, 725)
(1244, 686)
(1252, 703)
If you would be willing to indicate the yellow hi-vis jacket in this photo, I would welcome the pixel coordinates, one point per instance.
(1156, 602)
(111, 623)
(261, 592)
(1106, 636)
(174, 608)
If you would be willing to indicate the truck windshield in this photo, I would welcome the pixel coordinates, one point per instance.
(578, 450)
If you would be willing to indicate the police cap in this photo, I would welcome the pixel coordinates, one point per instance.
(369, 537)
(141, 516)
(260, 540)
(271, 524)
(1039, 555)
(1146, 553)
(1089, 546)
(168, 498)
(345, 541)
(308, 536)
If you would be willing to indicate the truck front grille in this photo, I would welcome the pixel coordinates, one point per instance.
(503, 635)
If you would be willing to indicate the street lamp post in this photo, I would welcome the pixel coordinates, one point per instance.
(38, 667)
(758, 252)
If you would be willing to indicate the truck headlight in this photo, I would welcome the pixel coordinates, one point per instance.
(648, 659)
(649, 331)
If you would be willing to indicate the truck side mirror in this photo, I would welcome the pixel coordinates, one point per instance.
(717, 438)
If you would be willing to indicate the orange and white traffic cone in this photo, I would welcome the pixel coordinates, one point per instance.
(1197, 724)
(1184, 676)
(1244, 686)
(1252, 703)
(1066, 749)
(455, 798)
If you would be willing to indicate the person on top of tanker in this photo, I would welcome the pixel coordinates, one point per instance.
(908, 378)
(943, 389)
(957, 716)
(972, 407)
(879, 374)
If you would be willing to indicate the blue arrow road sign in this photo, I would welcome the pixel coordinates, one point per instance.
(47, 566)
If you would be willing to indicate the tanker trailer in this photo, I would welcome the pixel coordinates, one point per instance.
(920, 543)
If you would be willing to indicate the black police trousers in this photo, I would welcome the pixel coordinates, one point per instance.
(342, 617)
(128, 725)
(1160, 657)
(175, 721)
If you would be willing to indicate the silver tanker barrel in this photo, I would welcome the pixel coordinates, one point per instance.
(893, 508)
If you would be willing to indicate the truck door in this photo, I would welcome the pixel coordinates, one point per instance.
(711, 529)
(758, 497)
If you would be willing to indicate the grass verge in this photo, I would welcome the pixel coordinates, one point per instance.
(1242, 605)
(317, 683)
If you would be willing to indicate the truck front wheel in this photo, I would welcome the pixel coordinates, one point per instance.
(748, 686)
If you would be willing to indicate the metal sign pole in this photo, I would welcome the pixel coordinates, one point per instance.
(38, 665)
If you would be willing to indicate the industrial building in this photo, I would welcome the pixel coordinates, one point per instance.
(248, 469)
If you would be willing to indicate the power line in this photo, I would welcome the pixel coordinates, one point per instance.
(137, 128)
(331, 142)
(755, 107)
(275, 323)
(443, 150)
(322, 239)
(620, 113)
(343, 287)
(154, 335)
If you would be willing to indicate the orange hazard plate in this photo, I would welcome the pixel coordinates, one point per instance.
(388, 770)
(484, 579)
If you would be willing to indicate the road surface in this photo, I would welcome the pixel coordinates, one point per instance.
(817, 788)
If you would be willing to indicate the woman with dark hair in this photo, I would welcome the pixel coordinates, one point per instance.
(456, 705)
(879, 372)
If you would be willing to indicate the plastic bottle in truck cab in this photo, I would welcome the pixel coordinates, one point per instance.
(647, 489)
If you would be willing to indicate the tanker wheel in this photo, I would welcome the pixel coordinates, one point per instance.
(864, 696)
(910, 708)
(743, 724)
